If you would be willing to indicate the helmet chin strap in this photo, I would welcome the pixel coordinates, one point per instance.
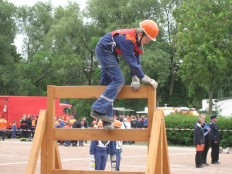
(141, 38)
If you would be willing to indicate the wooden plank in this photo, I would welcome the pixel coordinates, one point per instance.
(151, 107)
(159, 160)
(101, 134)
(92, 172)
(43, 154)
(166, 167)
(58, 164)
(154, 143)
(86, 92)
(49, 130)
(36, 145)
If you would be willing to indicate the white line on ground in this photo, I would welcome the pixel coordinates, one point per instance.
(76, 159)
(133, 166)
(6, 155)
(6, 164)
(134, 156)
(200, 170)
(180, 153)
(178, 166)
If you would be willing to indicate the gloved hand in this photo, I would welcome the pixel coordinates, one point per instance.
(92, 162)
(152, 82)
(135, 83)
(92, 165)
(92, 158)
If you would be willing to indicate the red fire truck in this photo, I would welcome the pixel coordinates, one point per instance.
(13, 107)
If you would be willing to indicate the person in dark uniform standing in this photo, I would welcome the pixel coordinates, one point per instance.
(215, 139)
(199, 141)
(206, 130)
(76, 124)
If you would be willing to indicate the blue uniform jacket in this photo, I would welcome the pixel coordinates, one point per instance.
(113, 149)
(127, 49)
(94, 147)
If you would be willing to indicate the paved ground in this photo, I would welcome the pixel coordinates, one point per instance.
(14, 155)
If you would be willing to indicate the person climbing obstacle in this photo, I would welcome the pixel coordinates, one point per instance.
(128, 43)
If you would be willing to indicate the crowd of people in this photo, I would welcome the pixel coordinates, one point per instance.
(206, 135)
(128, 122)
(26, 129)
(28, 124)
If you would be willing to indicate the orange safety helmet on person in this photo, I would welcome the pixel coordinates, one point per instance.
(150, 28)
(117, 124)
(130, 35)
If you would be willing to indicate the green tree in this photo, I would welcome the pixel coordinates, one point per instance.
(203, 42)
(8, 56)
(72, 44)
(35, 68)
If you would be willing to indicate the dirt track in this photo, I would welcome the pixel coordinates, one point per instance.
(14, 155)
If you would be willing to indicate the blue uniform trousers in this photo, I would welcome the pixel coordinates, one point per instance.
(100, 160)
(111, 76)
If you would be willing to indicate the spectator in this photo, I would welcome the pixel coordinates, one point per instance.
(215, 140)
(145, 121)
(67, 142)
(23, 127)
(133, 122)
(57, 123)
(206, 130)
(126, 125)
(85, 125)
(3, 126)
(94, 124)
(199, 141)
(13, 129)
(33, 125)
(72, 120)
(139, 122)
(62, 122)
(79, 124)
(116, 150)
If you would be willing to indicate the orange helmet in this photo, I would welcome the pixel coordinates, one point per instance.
(117, 124)
(99, 123)
(150, 28)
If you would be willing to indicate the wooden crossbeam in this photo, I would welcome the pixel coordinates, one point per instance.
(92, 172)
(141, 135)
(87, 92)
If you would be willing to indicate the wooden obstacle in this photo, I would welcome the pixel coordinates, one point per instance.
(46, 135)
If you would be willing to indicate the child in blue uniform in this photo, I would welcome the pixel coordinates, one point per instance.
(99, 151)
(116, 149)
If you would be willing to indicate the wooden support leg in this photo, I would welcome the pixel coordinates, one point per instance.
(58, 164)
(152, 157)
(36, 145)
